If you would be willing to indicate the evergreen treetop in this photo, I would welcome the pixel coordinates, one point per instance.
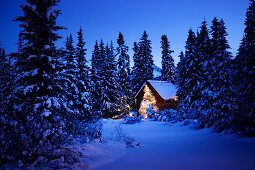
(123, 65)
(168, 68)
(145, 50)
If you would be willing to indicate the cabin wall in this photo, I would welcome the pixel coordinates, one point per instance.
(171, 104)
(167, 104)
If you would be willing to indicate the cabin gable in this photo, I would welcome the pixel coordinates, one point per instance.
(161, 103)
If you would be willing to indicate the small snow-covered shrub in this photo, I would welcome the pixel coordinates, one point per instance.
(166, 115)
(35, 142)
(131, 120)
(90, 131)
(150, 112)
(23, 144)
(123, 137)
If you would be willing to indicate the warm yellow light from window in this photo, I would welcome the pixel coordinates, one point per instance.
(176, 98)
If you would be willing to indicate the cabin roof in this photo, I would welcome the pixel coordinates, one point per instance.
(165, 89)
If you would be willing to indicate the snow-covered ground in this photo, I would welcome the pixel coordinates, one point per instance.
(166, 146)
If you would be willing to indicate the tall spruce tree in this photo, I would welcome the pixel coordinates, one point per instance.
(204, 54)
(4, 81)
(137, 70)
(181, 78)
(83, 82)
(113, 63)
(9, 128)
(168, 68)
(146, 56)
(110, 92)
(105, 91)
(94, 76)
(101, 66)
(71, 72)
(35, 85)
(143, 62)
(123, 65)
(188, 87)
(245, 73)
(220, 110)
(38, 108)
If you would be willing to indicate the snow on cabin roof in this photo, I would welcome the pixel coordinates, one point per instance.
(165, 89)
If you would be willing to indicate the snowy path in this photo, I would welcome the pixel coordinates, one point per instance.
(178, 147)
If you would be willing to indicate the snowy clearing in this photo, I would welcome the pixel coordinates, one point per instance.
(166, 146)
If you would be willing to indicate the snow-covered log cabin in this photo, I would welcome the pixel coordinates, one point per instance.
(159, 95)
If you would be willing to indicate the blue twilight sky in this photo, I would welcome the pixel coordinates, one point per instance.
(105, 18)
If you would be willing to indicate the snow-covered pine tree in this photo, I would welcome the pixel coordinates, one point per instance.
(101, 66)
(98, 76)
(204, 90)
(105, 92)
(95, 89)
(137, 70)
(81, 52)
(77, 95)
(113, 63)
(245, 73)
(110, 91)
(221, 105)
(190, 77)
(146, 56)
(181, 79)
(123, 65)
(168, 68)
(5, 78)
(38, 120)
(6, 124)
(71, 72)
(41, 117)
(35, 86)
(143, 62)
(83, 82)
